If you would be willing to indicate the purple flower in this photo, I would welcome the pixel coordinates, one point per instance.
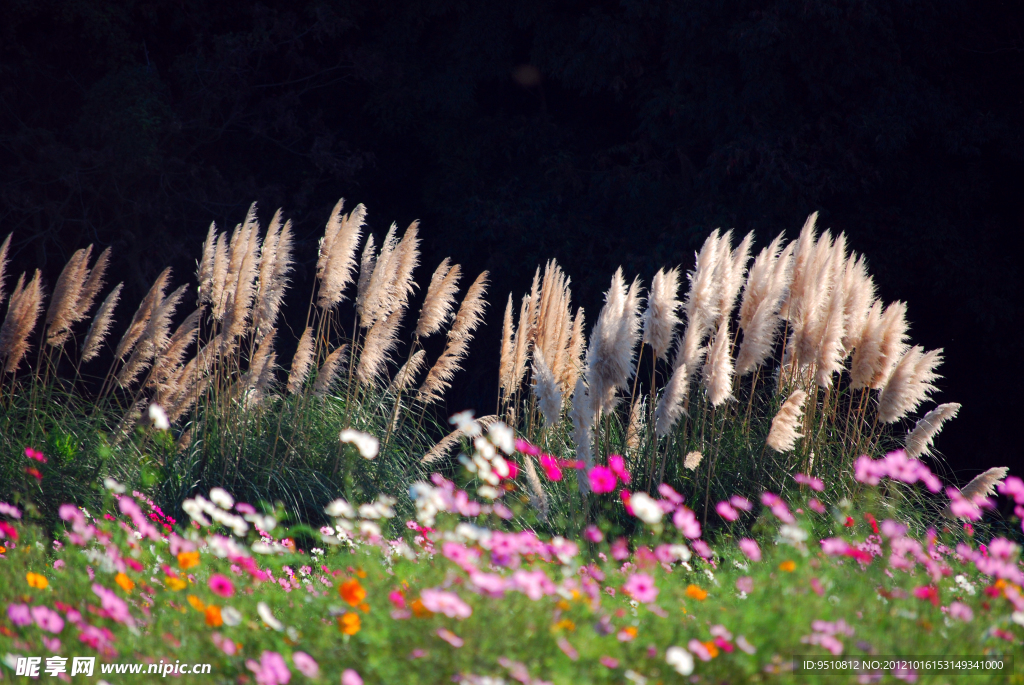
(47, 619)
(19, 614)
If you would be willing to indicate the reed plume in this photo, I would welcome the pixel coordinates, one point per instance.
(143, 314)
(661, 318)
(868, 350)
(100, 325)
(445, 444)
(582, 415)
(260, 376)
(830, 331)
(919, 440)
(893, 342)
(336, 264)
(730, 269)
(62, 313)
(860, 292)
(802, 251)
(204, 273)
(4, 248)
(670, 406)
(469, 316)
(984, 484)
(385, 268)
(154, 338)
(439, 301)
(759, 279)
(367, 264)
(909, 384)
(173, 354)
(275, 265)
(718, 367)
(610, 354)
(241, 296)
(783, 434)
(329, 371)
(635, 427)
(545, 387)
(406, 375)
(521, 345)
(301, 362)
(538, 498)
(380, 342)
(506, 359)
(23, 313)
(574, 353)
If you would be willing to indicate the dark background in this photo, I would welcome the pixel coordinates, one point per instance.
(601, 134)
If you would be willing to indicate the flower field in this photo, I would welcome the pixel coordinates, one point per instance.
(779, 591)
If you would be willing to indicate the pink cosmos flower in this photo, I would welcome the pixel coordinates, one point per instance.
(702, 548)
(727, 511)
(620, 549)
(271, 669)
(686, 521)
(112, 604)
(51, 643)
(602, 479)
(550, 466)
(447, 603)
(35, 455)
(10, 510)
(526, 448)
(609, 662)
(306, 665)
(671, 495)
(593, 534)
(750, 548)
(816, 506)
(618, 467)
(221, 585)
(961, 611)
(741, 503)
(927, 592)
(640, 587)
(19, 614)
(350, 677)
(47, 619)
(568, 649)
(813, 483)
(699, 650)
(224, 644)
(745, 584)
(489, 584)
(533, 584)
(450, 637)
(1013, 487)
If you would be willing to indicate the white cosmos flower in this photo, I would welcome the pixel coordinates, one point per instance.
(339, 508)
(367, 444)
(113, 486)
(502, 436)
(645, 508)
(679, 659)
(221, 498)
(159, 417)
(231, 616)
(268, 616)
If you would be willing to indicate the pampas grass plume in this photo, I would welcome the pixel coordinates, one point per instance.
(661, 317)
(919, 440)
(783, 434)
(301, 362)
(100, 325)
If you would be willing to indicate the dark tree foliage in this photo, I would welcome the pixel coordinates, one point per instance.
(598, 133)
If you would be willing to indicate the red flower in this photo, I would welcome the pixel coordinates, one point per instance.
(928, 592)
(849, 522)
(34, 472)
(871, 519)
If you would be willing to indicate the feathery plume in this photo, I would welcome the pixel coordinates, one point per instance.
(868, 351)
(62, 315)
(893, 342)
(859, 293)
(469, 316)
(919, 440)
(301, 362)
(768, 284)
(574, 353)
(783, 434)
(538, 498)
(93, 285)
(100, 325)
(337, 261)
(545, 388)
(635, 428)
(731, 268)
(260, 376)
(610, 354)
(172, 356)
(507, 350)
(445, 444)
(759, 279)
(329, 371)
(242, 295)
(700, 304)
(204, 274)
(367, 264)
(830, 328)
(153, 340)
(22, 315)
(692, 460)
(439, 301)
(217, 296)
(718, 367)
(909, 384)
(582, 415)
(521, 345)
(380, 342)
(984, 484)
(670, 406)
(406, 375)
(143, 314)
(807, 307)
(3, 263)
(660, 319)
(803, 249)
(275, 265)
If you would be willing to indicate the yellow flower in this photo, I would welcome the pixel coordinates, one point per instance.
(187, 560)
(788, 566)
(175, 583)
(563, 605)
(419, 610)
(564, 624)
(213, 617)
(196, 603)
(695, 592)
(37, 581)
(352, 592)
(350, 623)
(124, 581)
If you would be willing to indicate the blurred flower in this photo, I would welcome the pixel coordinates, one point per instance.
(352, 592)
(221, 585)
(745, 584)
(268, 616)
(306, 665)
(645, 508)
(618, 467)
(695, 592)
(124, 582)
(367, 444)
(349, 623)
(158, 417)
(750, 548)
(175, 583)
(47, 619)
(37, 581)
(593, 534)
(727, 511)
(692, 460)
(213, 616)
(35, 455)
(602, 479)
(19, 614)
(680, 660)
(788, 566)
(640, 587)
(447, 603)
(187, 560)
(961, 611)
(271, 669)
(222, 498)
(231, 616)
(350, 677)
(450, 637)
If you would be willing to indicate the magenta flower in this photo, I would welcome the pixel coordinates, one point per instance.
(620, 549)
(813, 483)
(618, 467)
(816, 506)
(593, 534)
(750, 548)
(1013, 487)
(640, 587)
(686, 521)
(550, 466)
(702, 548)
(10, 510)
(602, 479)
(670, 494)
(447, 603)
(112, 604)
(609, 662)
(961, 611)
(533, 584)
(741, 503)
(727, 511)
(699, 650)
(350, 677)
(47, 619)
(19, 614)
(35, 455)
(745, 584)
(526, 448)
(224, 644)
(306, 665)
(221, 585)
(271, 669)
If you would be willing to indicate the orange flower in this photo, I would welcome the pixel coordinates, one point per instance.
(695, 592)
(788, 566)
(37, 581)
(352, 592)
(360, 572)
(364, 607)
(564, 624)
(631, 631)
(563, 605)
(350, 623)
(213, 617)
(124, 581)
(175, 583)
(187, 560)
(3, 549)
(712, 648)
(419, 610)
(196, 603)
